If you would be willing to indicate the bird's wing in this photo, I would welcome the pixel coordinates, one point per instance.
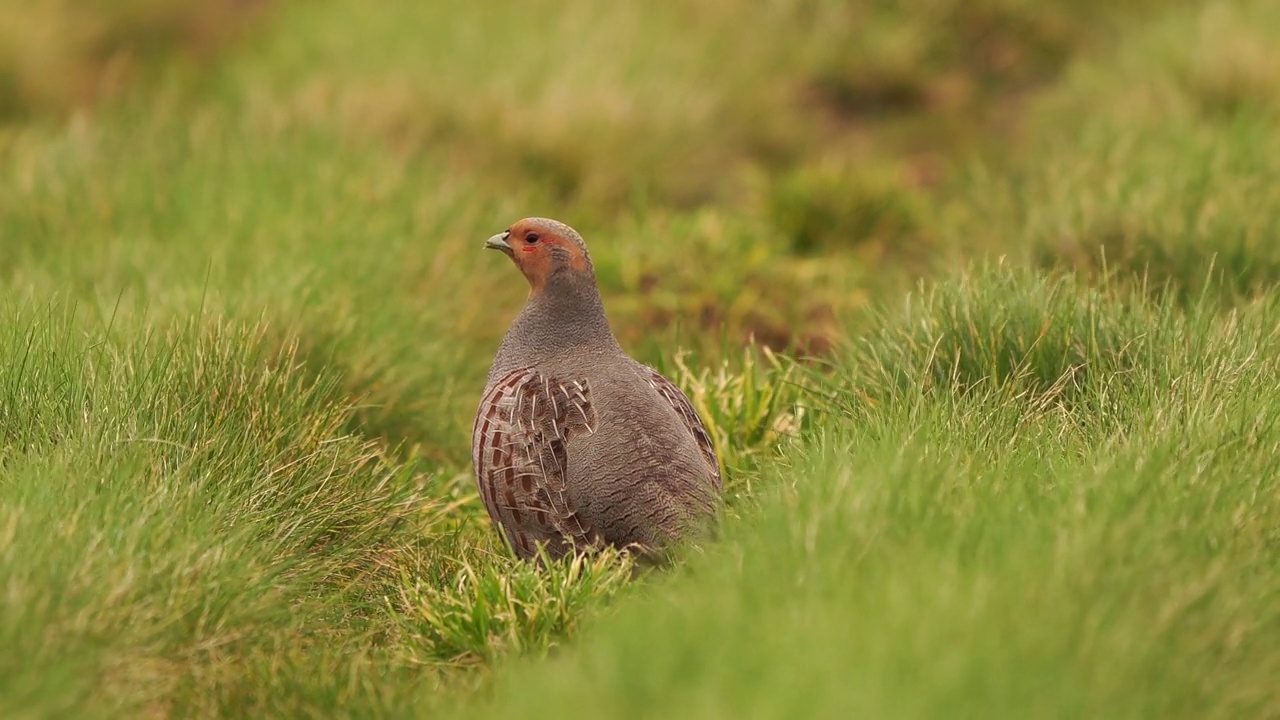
(684, 409)
(518, 444)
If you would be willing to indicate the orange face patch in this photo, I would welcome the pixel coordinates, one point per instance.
(536, 263)
(539, 259)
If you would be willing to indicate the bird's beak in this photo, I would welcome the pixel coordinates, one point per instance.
(499, 242)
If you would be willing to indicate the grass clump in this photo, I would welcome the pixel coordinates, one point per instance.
(226, 512)
(479, 615)
(1048, 334)
(750, 407)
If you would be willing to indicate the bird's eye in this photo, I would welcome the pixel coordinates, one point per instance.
(531, 238)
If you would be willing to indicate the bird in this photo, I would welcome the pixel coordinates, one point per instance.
(577, 446)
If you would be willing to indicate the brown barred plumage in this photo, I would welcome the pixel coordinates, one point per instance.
(519, 438)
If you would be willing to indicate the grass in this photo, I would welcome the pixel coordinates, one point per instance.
(977, 300)
(1104, 193)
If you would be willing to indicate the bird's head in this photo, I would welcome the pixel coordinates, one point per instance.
(544, 250)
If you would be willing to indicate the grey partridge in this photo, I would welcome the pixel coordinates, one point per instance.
(575, 444)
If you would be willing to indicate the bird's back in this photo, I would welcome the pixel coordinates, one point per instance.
(641, 474)
(641, 477)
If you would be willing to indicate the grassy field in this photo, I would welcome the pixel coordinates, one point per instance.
(979, 300)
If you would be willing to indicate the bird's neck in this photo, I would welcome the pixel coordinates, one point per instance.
(562, 318)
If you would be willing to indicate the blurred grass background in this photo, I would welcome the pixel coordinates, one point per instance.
(977, 298)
